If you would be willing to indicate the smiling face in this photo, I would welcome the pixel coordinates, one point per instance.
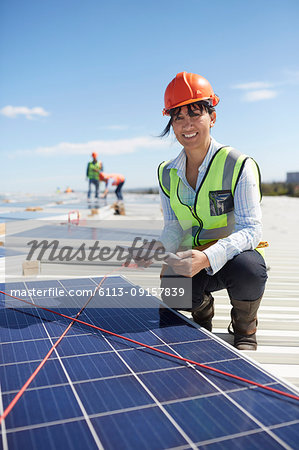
(191, 125)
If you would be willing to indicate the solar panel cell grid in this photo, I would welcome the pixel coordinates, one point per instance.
(255, 439)
(47, 404)
(13, 376)
(63, 435)
(98, 391)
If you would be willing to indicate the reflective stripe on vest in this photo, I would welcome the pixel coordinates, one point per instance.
(212, 215)
(93, 169)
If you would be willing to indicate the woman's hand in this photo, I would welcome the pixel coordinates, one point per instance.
(191, 262)
(143, 258)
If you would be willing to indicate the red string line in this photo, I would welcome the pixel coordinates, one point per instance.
(204, 366)
(31, 378)
(39, 367)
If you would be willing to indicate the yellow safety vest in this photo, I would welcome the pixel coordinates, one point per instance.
(93, 170)
(212, 215)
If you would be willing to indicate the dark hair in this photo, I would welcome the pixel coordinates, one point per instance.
(200, 106)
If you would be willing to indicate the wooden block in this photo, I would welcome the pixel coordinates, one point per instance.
(2, 228)
(32, 208)
(94, 212)
(119, 209)
(122, 210)
(30, 268)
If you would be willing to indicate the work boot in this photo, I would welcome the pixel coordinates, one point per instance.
(244, 323)
(203, 314)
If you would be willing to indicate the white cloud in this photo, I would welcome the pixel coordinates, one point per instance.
(262, 94)
(253, 85)
(262, 90)
(14, 111)
(115, 147)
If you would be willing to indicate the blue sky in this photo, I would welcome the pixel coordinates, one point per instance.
(82, 76)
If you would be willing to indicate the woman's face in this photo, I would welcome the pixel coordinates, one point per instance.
(193, 132)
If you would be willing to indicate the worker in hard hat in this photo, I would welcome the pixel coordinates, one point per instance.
(210, 197)
(113, 179)
(93, 170)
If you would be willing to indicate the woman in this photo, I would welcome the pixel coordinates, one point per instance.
(210, 197)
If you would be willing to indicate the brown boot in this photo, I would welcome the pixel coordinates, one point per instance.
(244, 323)
(203, 314)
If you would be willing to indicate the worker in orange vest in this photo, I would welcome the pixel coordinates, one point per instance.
(112, 179)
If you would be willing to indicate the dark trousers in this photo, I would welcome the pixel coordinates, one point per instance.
(96, 185)
(244, 277)
(118, 192)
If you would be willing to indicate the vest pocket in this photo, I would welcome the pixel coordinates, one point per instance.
(221, 202)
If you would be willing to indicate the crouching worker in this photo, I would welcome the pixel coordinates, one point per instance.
(113, 179)
(118, 180)
(210, 195)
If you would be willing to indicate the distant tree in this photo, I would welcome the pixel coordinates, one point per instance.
(280, 188)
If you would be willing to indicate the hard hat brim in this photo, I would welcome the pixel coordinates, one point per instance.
(213, 102)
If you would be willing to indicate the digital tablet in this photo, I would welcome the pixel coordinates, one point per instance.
(145, 253)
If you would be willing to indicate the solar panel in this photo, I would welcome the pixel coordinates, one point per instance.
(40, 201)
(23, 215)
(56, 230)
(99, 391)
(9, 252)
(79, 205)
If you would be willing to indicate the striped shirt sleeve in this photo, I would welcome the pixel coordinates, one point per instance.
(172, 232)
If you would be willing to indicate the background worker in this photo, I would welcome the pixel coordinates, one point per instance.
(210, 197)
(113, 179)
(92, 173)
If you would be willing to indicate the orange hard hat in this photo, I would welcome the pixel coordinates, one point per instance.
(188, 88)
(103, 176)
(94, 155)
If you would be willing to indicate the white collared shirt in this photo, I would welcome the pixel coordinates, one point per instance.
(247, 211)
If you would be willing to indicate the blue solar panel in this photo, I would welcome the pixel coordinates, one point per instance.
(64, 231)
(79, 205)
(9, 252)
(98, 391)
(23, 215)
(41, 201)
